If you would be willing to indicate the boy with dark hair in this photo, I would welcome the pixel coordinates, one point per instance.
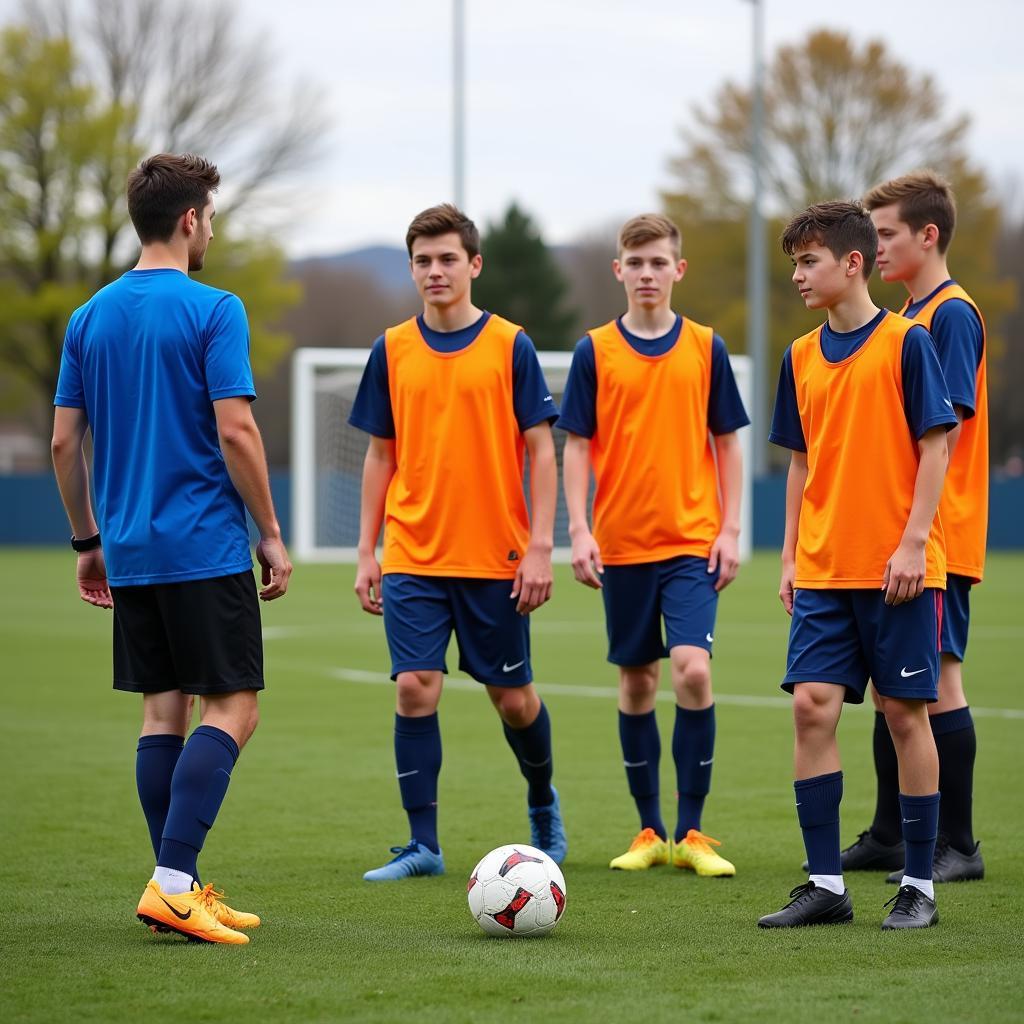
(156, 366)
(651, 404)
(915, 216)
(863, 407)
(452, 400)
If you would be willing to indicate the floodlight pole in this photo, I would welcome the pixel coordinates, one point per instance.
(458, 103)
(757, 269)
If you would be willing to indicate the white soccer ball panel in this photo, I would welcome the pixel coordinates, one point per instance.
(516, 890)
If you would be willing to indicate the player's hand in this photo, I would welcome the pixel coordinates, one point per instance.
(725, 557)
(368, 585)
(904, 573)
(533, 582)
(273, 559)
(786, 584)
(91, 574)
(586, 560)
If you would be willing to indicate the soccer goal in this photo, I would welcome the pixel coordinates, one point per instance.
(327, 454)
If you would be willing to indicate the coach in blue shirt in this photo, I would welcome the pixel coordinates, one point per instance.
(156, 366)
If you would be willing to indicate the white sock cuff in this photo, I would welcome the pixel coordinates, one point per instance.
(834, 883)
(171, 881)
(924, 884)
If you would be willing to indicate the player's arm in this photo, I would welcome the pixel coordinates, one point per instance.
(532, 585)
(72, 472)
(795, 482)
(246, 462)
(725, 552)
(954, 435)
(904, 572)
(586, 555)
(379, 467)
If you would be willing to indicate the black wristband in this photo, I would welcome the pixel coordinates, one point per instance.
(86, 543)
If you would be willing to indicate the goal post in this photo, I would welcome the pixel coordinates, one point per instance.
(327, 453)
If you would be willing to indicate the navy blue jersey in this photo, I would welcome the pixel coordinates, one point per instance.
(960, 342)
(579, 403)
(531, 397)
(925, 398)
(146, 357)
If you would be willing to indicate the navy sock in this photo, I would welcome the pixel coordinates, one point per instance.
(886, 826)
(957, 745)
(532, 747)
(418, 759)
(641, 753)
(154, 766)
(817, 807)
(198, 786)
(920, 827)
(693, 750)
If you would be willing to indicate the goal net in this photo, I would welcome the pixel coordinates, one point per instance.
(327, 454)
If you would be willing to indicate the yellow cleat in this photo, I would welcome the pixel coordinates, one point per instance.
(185, 913)
(647, 850)
(695, 854)
(213, 901)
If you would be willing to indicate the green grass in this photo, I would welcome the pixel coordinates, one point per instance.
(314, 802)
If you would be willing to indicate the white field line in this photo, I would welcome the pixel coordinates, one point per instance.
(609, 693)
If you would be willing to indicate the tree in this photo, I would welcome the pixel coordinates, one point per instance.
(838, 119)
(522, 281)
(148, 76)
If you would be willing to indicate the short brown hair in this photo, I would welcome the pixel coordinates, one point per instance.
(649, 227)
(165, 186)
(923, 198)
(840, 227)
(441, 220)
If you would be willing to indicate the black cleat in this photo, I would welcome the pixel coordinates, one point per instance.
(810, 904)
(868, 854)
(910, 909)
(950, 865)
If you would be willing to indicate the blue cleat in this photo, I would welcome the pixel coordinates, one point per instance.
(412, 860)
(547, 832)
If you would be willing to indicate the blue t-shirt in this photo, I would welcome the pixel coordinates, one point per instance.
(925, 398)
(960, 342)
(531, 397)
(579, 403)
(146, 357)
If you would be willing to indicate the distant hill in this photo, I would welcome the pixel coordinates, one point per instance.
(387, 264)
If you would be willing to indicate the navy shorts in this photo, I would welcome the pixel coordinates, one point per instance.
(200, 636)
(637, 597)
(848, 636)
(956, 616)
(420, 613)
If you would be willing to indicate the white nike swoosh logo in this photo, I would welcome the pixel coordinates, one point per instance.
(710, 639)
(634, 764)
(910, 821)
(402, 775)
(508, 668)
(704, 764)
(917, 671)
(948, 402)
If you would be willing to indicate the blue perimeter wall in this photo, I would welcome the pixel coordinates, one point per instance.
(31, 512)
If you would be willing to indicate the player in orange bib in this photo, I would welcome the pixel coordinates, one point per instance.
(915, 216)
(652, 407)
(454, 400)
(863, 407)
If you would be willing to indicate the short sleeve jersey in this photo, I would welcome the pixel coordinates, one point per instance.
(648, 407)
(857, 403)
(146, 357)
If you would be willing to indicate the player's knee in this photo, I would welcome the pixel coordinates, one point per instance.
(810, 711)
(515, 707)
(639, 683)
(905, 718)
(693, 678)
(416, 693)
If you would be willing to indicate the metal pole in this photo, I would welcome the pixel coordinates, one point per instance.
(757, 269)
(458, 103)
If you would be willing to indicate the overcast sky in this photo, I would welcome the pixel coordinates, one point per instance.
(573, 106)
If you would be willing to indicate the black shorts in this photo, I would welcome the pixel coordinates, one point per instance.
(200, 636)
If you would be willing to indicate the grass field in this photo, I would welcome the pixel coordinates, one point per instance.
(314, 802)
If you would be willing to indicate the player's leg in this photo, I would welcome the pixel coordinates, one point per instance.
(825, 667)
(165, 721)
(633, 622)
(418, 625)
(689, 604)
(494, 648)
(904, 658)
(213, 630)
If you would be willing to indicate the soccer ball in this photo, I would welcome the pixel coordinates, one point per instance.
(516, 890)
